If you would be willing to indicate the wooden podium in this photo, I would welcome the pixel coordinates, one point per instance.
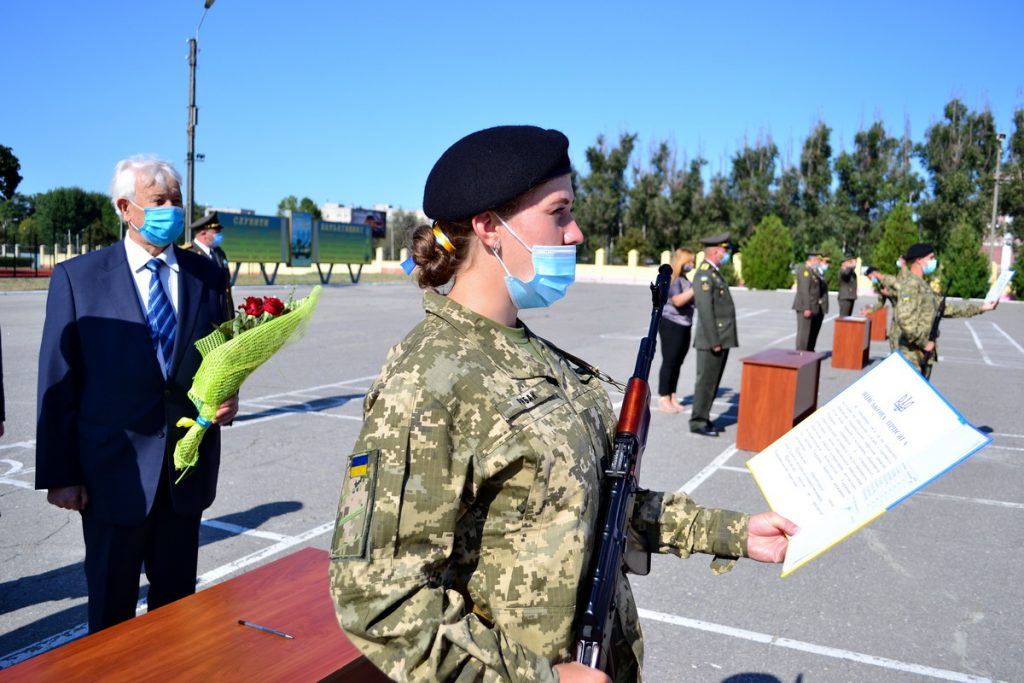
(851, 343)
(879, 320)
(199, 638)
(779, 388)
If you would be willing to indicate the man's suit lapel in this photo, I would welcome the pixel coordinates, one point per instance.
(115, 279)
(190, 289)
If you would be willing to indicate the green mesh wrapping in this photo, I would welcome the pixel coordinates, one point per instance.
(228, 362)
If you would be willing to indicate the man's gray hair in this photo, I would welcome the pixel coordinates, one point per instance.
(128, 170)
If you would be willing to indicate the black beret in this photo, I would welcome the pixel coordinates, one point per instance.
(917, 251)
(491, 167)
(210, 220)
(717, 240)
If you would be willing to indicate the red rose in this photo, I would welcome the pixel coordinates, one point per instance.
(273, 305)
(253, 305)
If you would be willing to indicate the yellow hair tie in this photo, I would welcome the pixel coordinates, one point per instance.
(443, 240)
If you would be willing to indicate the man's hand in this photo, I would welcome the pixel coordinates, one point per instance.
(716, 349)
(987, 306)
(929, 347)
(767, 537)
(574, 672)
(807, 313)
(227, 410)
(69, 497)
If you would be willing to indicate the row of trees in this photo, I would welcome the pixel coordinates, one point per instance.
(627, 201)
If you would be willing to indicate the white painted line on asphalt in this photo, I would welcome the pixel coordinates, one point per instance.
(793, 336)
(17, 483)
(20, 444)
(44, 645)
(1005, 448)
(316, 388)
(1008, 337)
(752, 313)
(1012, 436)
(730, 468)
(977, 342)
(698, 479)
(242, 531)
(980, 501)
(810, 648)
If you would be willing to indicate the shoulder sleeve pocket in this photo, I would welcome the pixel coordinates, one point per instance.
(352, 527)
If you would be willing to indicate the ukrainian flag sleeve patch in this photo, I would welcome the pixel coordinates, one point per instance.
(355, 509)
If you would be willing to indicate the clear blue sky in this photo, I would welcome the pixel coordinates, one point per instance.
(353, 102)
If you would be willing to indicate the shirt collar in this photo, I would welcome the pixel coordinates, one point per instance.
(139, 257)
(206, 249)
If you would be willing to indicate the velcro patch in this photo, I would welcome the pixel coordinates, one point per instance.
(355, 510)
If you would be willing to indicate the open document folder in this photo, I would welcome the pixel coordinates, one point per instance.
(883, 438)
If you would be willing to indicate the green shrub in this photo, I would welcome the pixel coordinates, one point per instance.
(767, 256)
(965, 268)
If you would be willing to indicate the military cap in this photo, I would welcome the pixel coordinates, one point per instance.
(717, 240)
(491, 167)
(209, 221)
(870, 269)
(816, 252)
(919, 250)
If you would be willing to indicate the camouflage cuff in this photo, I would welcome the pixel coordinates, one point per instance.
(727, 536)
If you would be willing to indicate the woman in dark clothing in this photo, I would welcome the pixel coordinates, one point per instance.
(674, 331)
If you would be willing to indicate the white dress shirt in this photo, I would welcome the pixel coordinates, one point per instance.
(137, 260)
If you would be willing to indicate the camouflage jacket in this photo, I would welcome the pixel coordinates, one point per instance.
(916, 307)
(716, 312)
(468, 513)
(886, 288)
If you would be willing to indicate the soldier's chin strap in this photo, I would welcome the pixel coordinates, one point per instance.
(583, 366)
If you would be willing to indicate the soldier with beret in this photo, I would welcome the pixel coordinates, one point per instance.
(811, 300)
(715, 333)
(916, 308)
(847, 286)
(469, 510)
(207, 236)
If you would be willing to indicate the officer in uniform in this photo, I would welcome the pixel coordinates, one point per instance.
(715, 333)
(469, 511)
(811, 301)
(207, 236)
(847, 286)
(917, 306)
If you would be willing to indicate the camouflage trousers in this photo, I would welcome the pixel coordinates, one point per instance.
(916, 358)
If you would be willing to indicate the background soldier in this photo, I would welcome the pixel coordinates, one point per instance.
(847, 286)
(917, 307)
(716, 331)
(207, 236)
(811, 301)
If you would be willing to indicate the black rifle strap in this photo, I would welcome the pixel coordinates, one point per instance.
(584, 366)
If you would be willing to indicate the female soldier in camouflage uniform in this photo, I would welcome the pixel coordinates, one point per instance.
(469, 511)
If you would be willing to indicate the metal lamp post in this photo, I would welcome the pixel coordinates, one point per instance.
(995, 197)
(193, 117)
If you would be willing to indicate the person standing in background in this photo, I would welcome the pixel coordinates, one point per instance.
(847, 286)
(674, 331)
(207, 236)
(716, 331)
(810, 302)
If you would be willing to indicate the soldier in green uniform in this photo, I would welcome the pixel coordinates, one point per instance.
(811, 300)
(469, 510)
(847, 286)
(207, 236)
(715, 333)
(917, 307)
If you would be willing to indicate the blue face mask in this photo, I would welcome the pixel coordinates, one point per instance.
(930, 266)
(726, 257)
(218, 238)
(822, 267)
(554, 269)
(163, 224)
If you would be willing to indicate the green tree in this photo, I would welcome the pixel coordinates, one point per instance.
(69, 212)
(632, 239)
(1011, 187)
(900, 232)
(686, 198)
(750, 184)
(768, 255)
(305, 205)
(965, 269)
(401, 223)
(862, 178)
(601, 200)
(9, 176)
(830, 247)
(649, 208)
(716, 212)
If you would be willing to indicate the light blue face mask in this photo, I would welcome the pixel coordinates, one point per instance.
(163, 224)
(726, 257)
(554, 269)
(930, 266)
(822, 267)
(218, 238)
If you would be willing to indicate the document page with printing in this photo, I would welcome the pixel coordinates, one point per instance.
(883, 438)
(997, 288)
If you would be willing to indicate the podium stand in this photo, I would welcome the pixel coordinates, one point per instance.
(879, 321)
(199, 638)
(851, 343)
(779, 388)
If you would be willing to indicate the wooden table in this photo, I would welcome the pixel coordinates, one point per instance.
(851, 343)
(778, 389)
(199, 638)
(879, 322)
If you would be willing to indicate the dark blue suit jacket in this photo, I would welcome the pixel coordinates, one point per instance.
(106, 414)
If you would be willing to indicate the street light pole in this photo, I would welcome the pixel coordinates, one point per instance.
(193, 118)
(995, 197)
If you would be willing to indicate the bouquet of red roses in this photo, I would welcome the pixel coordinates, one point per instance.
(230, 354)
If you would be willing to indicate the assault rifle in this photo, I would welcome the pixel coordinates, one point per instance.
(933, 335)
(620, 550)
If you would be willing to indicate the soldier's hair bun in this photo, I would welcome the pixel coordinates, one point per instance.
(436, 265)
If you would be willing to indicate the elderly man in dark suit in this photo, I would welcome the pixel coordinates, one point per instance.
(116, 361)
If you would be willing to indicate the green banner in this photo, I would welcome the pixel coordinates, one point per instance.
(254, 239)
(342, 243)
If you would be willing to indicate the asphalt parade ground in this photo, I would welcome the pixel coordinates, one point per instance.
(932, 590)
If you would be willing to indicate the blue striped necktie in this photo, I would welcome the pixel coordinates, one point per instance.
(160, 314)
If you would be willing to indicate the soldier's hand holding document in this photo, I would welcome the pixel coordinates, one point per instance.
(882, 439)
